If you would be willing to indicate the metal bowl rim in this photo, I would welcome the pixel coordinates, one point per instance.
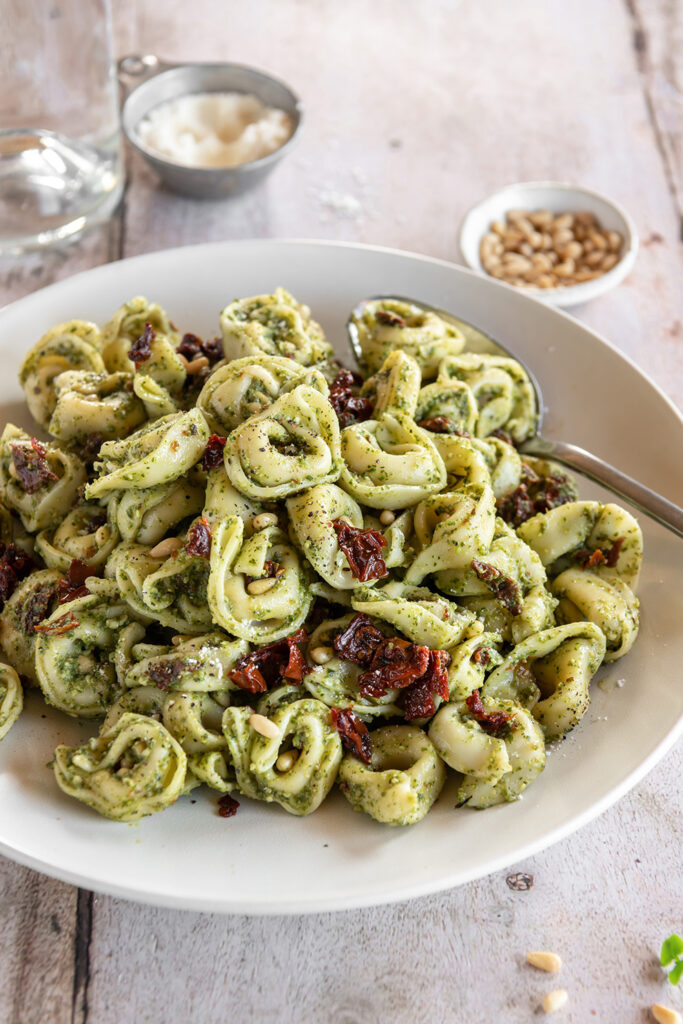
(154, 156)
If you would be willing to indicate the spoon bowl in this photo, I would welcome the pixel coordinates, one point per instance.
(570, 455)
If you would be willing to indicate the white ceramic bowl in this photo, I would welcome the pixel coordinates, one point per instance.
(558, 198)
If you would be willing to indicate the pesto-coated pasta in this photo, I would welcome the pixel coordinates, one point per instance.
(11, 699)
(275, 325)
(132, 769)
(386, 325)
(264, 573)
(403, 780)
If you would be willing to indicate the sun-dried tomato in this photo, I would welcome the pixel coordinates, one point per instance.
(64, 624)
(31, 466)
(354, 733)
(589, 559)
(396, 663)
(15, 565)
(493, 722)
(191, 347)
(389, 318)
(535, 494)
(419, 698)
(349, 408)
(199, 539)
(164, 673)
(503, 435)
(438, 425)
(227, 806)
(359, 641)
(503, 588)
(481, 656)
(612, 556)
(38, 606)
(362, 549)
(141, 349)
(72, 585)
(89, 449)
(213, 453)
(271, 664)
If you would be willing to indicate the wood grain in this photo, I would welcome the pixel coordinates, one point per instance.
(413, 112)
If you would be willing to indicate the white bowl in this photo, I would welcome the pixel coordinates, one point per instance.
(558, 198)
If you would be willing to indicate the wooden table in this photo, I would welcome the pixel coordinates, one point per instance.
(414, 110)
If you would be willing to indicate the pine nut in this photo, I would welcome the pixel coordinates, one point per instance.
(258, 587)
(585, 218)
(609, 261)
(664, 1014)
(541, 219)
(344, 519)
(180, 638)
(264, 726)
(594, 259)
(598, 240)
(321, 655)
(546, 281)
(183, 360)
(614, 240)
(572, 251)
(555, 1000)
(545, 961)
(498, 227)
(565, 269)
(563, 237)
(262, 521)
(102, 535)
(166, 547)
(387, 517)
(286, 761)
(197, 364)
(565, 220)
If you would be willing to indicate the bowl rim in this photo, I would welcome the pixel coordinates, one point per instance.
(575, 294)
(170, 69)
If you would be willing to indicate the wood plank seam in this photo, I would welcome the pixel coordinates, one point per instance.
(642, 52)
(82, 941)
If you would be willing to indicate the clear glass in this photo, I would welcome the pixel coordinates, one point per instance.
(61, 166)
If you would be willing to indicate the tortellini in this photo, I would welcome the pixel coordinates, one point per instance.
(240, 389)
(73, 662)
(47, 484)
(386, 325)
(94, 403)
(132, 769)
(83, 534)
(452, 529)
(168, 585)
(147, 514)
(261, 613)
(550, 672)
(504, 394)
(311, 514)
(275, 325)
(303, 727)
(158, 453)
(11, 699)
(390, 463)
(127, 325)
(264, 574)
(402, 781)
(75, 345)
(292, 445)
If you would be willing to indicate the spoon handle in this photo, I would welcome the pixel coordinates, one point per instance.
(653, 504)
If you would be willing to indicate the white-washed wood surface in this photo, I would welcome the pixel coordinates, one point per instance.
(414, 110)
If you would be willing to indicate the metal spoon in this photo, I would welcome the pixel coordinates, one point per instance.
(648, 501)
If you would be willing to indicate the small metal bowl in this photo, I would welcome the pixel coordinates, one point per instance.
(148, 81)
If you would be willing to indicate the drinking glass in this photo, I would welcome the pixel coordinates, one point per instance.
(61, 166)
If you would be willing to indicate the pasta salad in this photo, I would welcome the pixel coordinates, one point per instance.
(261, 572)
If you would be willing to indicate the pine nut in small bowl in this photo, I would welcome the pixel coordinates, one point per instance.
(559, 243)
